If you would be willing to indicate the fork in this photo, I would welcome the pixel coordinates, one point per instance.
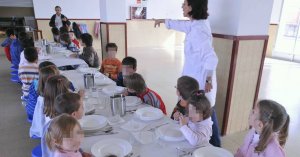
(152, 129)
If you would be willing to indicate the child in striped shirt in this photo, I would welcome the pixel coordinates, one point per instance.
(29, 71)
(136, 84)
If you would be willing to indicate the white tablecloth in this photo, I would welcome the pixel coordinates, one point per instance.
(158, 148)
(76, 78)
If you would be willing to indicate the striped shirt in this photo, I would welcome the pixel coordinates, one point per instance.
(152, 98)
(27, 73)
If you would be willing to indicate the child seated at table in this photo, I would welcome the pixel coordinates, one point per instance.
(89, 55)
(111, 66)
(64, 136)
(128, 67)
(65, 40)
(197, 127)
(46, 69)
(73, 39)
(185, 86)
(68, 103)
(7, 42)
(270, 124)
(28, 72)
(44, 109)
(135, 83)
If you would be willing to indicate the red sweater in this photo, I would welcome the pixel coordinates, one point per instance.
(152, 98)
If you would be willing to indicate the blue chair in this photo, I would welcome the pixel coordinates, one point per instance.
(37, 151)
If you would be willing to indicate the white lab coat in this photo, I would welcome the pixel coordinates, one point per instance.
(200, 58)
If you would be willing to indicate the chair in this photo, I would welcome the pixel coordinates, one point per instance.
(37, 151)
(212, 151)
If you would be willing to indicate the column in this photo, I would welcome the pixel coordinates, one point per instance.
(113, 26)
(240, 31)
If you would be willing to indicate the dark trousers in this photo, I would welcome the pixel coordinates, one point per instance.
(215, 139)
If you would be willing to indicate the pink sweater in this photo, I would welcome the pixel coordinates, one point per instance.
(198, 133)
(67, 154)
(250, 142)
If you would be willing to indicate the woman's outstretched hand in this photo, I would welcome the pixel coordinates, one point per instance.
(157, 22)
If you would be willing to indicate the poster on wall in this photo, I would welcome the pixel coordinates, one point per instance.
(138, 12)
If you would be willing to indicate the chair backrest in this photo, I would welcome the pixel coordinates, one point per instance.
(212, 151)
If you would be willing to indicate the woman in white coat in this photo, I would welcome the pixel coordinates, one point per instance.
(200, 58)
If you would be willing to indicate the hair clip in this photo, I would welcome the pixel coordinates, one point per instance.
(200, 93)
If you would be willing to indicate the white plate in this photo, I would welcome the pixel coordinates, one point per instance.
(111, 146)
(212, 151)
(132, 101)
(149, 113)
(133, 126)
(170, 132)
(115, 120)
(110, 90)
(41, 57)
(93, 122)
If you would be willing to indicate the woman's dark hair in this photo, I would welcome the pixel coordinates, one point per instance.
(199, 9)
(186, 85)
(201, 103)
(87, 39)
(129, 61)
(111, 45)
(30, 54)
(275, 119)
(67, 103)
(55, 85)
(55, 31)
(10, 32)
(66, 38)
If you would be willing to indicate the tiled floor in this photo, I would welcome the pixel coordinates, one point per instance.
(161, 67)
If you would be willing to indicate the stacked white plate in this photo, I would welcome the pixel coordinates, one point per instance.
(212, 151)
(92, 123)
(111, 146)
(132, 101)
(110, 90)
(149, 113)
(170, 132)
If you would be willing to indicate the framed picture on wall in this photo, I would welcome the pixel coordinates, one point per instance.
(138, 12)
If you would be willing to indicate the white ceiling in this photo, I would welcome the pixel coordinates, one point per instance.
(16, 3)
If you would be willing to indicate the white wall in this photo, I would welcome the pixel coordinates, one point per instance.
(223, 15)
(76, 9)
(242, 17)
(255, 17)
(16, 3)
(110, 12)
(276, 11)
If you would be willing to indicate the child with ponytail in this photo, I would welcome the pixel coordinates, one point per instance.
(270, 123)
(197, 127)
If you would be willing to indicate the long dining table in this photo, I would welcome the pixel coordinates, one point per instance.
(156, 147)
